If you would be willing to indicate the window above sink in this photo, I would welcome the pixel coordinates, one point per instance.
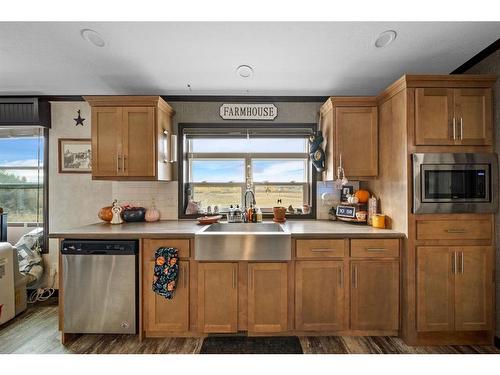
(221, 161)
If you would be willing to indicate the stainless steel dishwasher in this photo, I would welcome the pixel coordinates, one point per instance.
(99, 286)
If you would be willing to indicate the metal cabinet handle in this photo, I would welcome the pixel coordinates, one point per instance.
(355, 277)
(461, 262)
(185, 276)
(341, 276)
(234, 278)
(124, 158)
(461, 128)
(455, 230)
(376, 249)
(319, 250)
(454, 263)
(118, 163)
(454, 129)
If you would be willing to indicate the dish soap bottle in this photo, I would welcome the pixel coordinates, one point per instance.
(259, 215)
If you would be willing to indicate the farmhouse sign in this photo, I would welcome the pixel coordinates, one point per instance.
(243, 111)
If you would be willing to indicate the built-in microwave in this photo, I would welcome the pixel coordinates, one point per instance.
(455, 183)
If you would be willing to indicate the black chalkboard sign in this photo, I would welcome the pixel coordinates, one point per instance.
(346, 211)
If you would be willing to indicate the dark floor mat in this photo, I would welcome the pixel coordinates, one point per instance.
(251, 345)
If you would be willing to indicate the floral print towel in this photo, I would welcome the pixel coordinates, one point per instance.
(166, 271)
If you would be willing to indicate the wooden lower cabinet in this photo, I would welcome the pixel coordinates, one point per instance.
(218, 297)
(454, 288)
(167, 315)
(374, 295)
(474, 288)
(435, 289)
(319, 295)
(267, 297)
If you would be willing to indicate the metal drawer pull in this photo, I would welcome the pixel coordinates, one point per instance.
(454, 129)
(462, 262)
(319, 250)
(375, 249)
(454, 263)
(455, 230)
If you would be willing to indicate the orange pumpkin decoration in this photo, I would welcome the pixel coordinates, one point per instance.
(362, 195)
(105, 213)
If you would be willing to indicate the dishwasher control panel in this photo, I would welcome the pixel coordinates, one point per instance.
(104, 247)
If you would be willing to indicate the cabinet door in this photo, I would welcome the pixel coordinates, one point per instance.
(474, 288)
(267, 297)
(435, 288)
(375, 295)
(319, 296)
(106, 133)
(474, 116)
(218, 297)
(139, 150)
(167, 315)
(357, 140)
(434, 117)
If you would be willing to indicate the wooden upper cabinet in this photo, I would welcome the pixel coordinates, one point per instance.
(131, 138)
(267, 297)
(218, 297)
(435, 288)
(350, 128)
(320, 296)
(356, 134)
(474, 288)
(139, 151)
(473, 115)
(106, 141)
(375, 295)
(453, 116)
(434, 116)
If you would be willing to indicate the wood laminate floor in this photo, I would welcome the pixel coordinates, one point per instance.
(35, 331)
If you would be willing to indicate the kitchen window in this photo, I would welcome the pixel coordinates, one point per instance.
(221, 162)
(22, 175)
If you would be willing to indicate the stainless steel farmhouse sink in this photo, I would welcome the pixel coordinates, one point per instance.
(243, 241)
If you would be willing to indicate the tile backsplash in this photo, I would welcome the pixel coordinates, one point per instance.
(143, 193)
(327, 187)
(164, 195)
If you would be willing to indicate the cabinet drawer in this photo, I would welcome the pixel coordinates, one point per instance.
(454, 229)
(150, 246)
(320, 248)
(376, 248)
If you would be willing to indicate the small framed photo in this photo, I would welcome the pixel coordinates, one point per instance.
(346, 190)
(74, 155)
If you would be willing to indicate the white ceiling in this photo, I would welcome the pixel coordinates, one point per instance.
(329, 58)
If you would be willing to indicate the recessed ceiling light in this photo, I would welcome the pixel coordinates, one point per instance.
(244, 71)
(93, 37)
(385, 38)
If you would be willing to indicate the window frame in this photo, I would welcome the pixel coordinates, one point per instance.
(183, 171)
(44, 186)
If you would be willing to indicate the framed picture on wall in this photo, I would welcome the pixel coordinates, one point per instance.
(74, 155)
